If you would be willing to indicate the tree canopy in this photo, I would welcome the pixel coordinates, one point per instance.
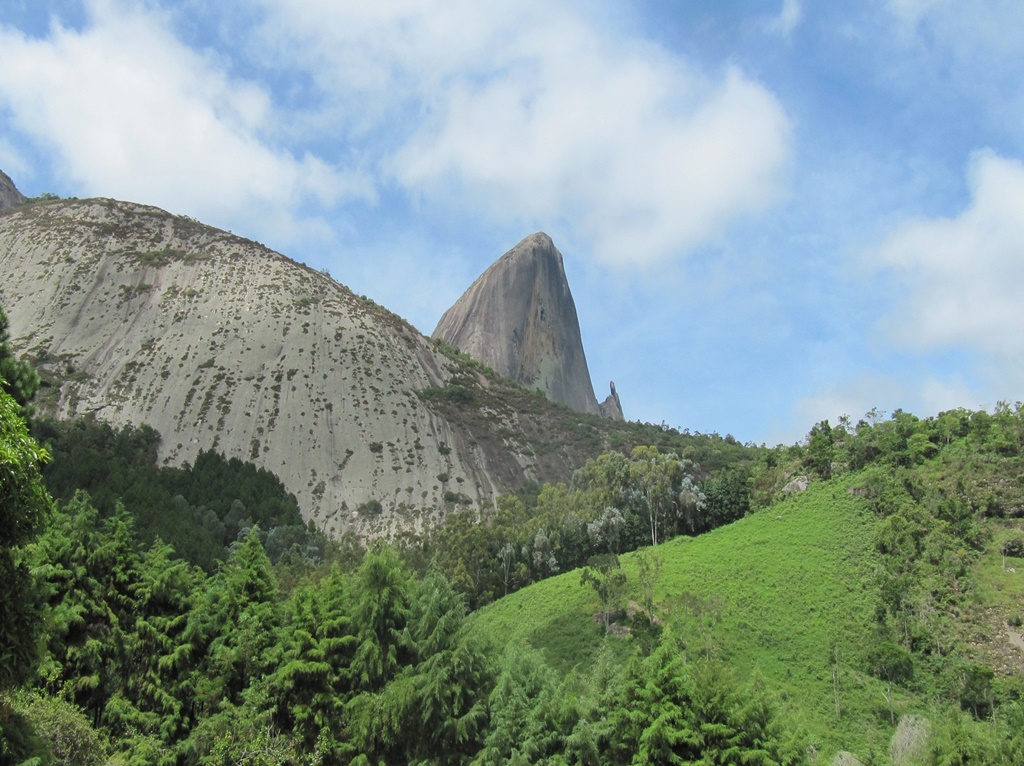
(24, 507)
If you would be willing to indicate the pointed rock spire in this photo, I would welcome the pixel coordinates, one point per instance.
(519, 318)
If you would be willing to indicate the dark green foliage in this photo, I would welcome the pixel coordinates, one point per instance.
(604, 573)
(381, 612)
(24, 507)
(523, 706)
(115, 618)
(24, 502)
(671, 711)
(155, 652)
(450, 686)
(469, 555)
(1008, 742)
(434, 708)
(313, 667)
(976, 694)
(454, 393)
(264, 501)
(893, 664)
(231, 632)
(820, 450)
(199, 510)
(236, 621)
(616, 503)
(19, 742)
(302, 662)
(1013, 546)
(68, 736)
(726, 497)
(370, 508)
(17, 377)
(89, 570)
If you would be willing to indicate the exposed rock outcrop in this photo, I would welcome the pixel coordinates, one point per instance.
(799, 484)
(519, 318)
(9, 194)
(612, 407)
(138, 316)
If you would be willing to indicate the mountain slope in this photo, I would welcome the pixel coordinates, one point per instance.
(136, 315)
(769, 593)
(519, 318)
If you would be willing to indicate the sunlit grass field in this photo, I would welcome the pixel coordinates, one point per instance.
(778, 593)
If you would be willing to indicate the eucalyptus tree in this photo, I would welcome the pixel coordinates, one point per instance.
(670, 498)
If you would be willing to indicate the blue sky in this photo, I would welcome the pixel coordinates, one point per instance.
(770, 212)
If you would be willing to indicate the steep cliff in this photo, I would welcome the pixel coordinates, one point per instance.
(519, 318)
(9, 194)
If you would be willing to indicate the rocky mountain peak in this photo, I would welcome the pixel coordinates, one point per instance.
(9, 194)
(519, 318)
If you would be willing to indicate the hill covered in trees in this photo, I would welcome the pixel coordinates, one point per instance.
(657, 611)
(616, 593)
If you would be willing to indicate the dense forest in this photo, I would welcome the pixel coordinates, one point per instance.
(187, 615)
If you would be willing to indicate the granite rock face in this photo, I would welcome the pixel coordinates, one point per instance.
(611, 407)
(9, 194)
(519, 318)
(134, 315)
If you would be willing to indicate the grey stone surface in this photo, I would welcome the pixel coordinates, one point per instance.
(611, 407)
(799, 484)
(139, 316)
(9, 194)
(519, 318)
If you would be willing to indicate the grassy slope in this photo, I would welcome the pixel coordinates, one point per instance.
(786, 583)
(998, 604)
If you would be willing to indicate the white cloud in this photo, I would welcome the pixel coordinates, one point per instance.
(940, 395)
(13, 163)
(525, 111)
(129, 111)
(955, 50)
(965, 275)
(857, 396)
(853, 397)
(789, 17)
(978, 31)
(914, 10)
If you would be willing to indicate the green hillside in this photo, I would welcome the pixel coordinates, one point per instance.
(866, 598)
(792, 595)
(772, 592)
